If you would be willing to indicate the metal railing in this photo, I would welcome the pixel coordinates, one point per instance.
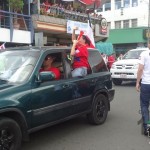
(10, 19)
(18, 21)
(58, 12)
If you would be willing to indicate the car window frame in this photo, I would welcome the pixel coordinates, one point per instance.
(92, 63)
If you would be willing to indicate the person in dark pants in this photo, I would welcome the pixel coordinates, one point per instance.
(143, 85)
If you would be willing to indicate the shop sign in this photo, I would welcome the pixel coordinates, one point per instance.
(146, 33)
(103, 26)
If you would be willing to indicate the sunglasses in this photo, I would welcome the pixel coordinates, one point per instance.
(47, 58)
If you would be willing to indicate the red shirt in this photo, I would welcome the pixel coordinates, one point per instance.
(111, 60)
(81, 57)
(47, 5)
(54, 70)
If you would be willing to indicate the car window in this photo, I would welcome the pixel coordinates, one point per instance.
(56, 63)
(67, 65)
(133, 54)
(17, 66)
(96, 62)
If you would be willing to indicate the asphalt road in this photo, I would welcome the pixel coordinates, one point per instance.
(119, 132)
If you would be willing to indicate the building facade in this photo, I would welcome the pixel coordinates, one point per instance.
(128, 23)
(44, 24)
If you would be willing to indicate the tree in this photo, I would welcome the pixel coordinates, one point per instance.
(15, 5)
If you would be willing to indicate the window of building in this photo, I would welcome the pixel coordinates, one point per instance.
(117, 4)
(109, 25)
(134, 23)
(107, 6)
(126, 24)
(117, 24)
(134, 3)
(126, 3)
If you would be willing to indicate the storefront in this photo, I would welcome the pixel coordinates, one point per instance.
(126, 39)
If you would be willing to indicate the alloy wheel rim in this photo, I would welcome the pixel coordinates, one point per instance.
(6, 139)
(100, 109)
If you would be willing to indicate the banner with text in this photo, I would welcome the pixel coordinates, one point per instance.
(81, 26)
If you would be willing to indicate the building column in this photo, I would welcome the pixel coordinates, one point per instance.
(39, 39)
(112, 5)
(130, 3)
(112, 10)
(38, 6)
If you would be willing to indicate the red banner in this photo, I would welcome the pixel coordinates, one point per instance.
(98, 3)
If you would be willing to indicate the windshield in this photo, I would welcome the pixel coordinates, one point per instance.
(17, 66)
(132, 54)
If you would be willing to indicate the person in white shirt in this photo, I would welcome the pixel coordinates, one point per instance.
(120, 57)
(143, 85)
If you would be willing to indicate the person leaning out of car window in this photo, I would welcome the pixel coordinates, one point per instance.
(79, 54)
(47, 66)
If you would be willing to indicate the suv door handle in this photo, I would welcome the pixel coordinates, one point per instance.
(65, 86)
(93, 81)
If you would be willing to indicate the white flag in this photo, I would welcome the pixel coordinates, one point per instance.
(90, 36)
(2, 46)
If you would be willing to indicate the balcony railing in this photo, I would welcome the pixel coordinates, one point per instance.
(20, 22)
(58, 12)
(10, 20)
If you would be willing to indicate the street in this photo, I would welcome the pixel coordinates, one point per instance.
(119, 132)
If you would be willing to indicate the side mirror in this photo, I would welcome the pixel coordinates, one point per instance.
(46, 76)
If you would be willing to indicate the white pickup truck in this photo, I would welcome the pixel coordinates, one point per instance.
(126, 69)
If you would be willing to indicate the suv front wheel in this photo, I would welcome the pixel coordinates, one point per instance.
(99, 111)
(10, 134)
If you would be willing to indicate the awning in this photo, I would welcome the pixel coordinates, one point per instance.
(106, 48)
(122, 36)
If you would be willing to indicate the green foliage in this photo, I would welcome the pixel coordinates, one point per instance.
(15, 5)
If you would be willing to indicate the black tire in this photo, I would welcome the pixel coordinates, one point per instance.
(117, 81)
(99, 110)
(10, 134)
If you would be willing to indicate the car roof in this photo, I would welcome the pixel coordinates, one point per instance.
(45, 48)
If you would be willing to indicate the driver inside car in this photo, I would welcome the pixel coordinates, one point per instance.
(47, 66)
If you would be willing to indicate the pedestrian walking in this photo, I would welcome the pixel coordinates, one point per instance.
(143, 86)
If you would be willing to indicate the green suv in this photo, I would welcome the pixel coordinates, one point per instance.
(31, 100)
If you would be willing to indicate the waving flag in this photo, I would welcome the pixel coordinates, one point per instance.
(2, 46)
(90, 36)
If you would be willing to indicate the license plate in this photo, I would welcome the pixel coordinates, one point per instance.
(123, 76)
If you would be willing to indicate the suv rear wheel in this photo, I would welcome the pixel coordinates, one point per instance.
(10, 134)
(117, 81)
(99, 110)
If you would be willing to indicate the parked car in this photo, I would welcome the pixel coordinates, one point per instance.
(31, 100)
(126, 69)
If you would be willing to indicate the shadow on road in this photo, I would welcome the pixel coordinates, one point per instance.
(127, 83)
(51, 134)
